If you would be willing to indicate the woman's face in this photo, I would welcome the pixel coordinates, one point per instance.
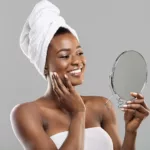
(65, 56)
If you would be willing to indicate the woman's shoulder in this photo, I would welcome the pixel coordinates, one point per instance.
(99, 104)
(24, 111)
(26, 106)
(29, 106)
(101, 100)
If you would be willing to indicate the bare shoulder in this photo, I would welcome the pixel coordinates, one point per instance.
(102, 106)
(26, 123)
(22, 116)
(23, 111)
(98, 101)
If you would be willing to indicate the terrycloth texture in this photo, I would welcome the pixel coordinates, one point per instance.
(38, 31)
(95, 139)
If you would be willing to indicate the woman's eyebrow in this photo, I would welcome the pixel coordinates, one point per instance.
(68, 49)
(79, 46)
(64, 49)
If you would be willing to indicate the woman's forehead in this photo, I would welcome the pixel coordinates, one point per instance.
(64, 41)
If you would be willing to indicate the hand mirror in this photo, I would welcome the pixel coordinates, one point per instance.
(129, 74)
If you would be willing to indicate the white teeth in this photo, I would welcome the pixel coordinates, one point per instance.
(76, 71)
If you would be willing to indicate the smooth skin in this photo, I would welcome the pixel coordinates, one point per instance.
(61, 108)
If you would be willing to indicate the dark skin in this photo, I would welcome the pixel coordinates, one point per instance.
(61, 107)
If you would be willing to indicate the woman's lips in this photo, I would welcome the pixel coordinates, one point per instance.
(75, 73)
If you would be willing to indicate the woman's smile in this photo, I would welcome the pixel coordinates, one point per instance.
(76, 72)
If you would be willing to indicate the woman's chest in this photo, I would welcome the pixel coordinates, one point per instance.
(55, 121)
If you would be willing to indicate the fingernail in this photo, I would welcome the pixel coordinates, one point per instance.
(122, 109)
(125, 106)
(133, 93)
(52, 74)
(128, 102)
(66, 76)
(55, 74)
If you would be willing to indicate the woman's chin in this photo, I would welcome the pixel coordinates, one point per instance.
(76, 79)
(76, 82)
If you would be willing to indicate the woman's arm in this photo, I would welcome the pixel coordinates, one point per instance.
(135, 112)
(75, 140)
(27, 126)
(132, 122)
(129, 141)
(110, 125)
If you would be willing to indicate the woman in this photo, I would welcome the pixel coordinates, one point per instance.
(61, 118)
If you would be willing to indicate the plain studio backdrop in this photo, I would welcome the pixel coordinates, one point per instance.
(106, 28)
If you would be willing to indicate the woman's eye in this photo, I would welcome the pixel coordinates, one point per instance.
(66, 56)
(81, 53)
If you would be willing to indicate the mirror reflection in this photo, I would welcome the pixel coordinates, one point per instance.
(129, 74)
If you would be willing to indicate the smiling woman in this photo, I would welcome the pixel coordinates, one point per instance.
(65, 56)
(62, 118)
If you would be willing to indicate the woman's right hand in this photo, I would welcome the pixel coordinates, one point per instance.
(67, 95)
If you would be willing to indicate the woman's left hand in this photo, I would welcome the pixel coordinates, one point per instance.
(135, 112)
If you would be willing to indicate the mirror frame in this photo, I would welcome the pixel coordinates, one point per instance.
(111, 75)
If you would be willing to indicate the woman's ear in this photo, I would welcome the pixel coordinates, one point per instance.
(46, 71)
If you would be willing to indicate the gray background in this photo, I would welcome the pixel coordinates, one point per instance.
(106, 28)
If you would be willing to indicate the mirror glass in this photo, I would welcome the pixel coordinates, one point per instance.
(129, 74)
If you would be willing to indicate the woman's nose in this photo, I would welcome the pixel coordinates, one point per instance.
(76, 60)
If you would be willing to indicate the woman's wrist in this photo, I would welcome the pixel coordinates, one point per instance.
(130, 131)
(78, 114)
(129, 140)
(130, 134)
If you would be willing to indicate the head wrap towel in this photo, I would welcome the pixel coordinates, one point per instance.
(38, 31)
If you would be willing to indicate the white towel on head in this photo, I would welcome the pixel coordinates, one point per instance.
(38, 31)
